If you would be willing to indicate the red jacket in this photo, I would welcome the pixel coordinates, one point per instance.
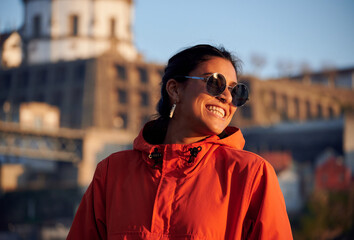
(206, 190)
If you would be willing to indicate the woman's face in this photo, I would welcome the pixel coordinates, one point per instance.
(200, 113)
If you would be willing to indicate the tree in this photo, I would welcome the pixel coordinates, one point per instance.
(328, 215)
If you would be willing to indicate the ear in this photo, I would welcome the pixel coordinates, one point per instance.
(173, 90)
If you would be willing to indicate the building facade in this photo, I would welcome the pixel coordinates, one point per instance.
(333, 174)
(102, 95)
(284, 100)
(63, 30)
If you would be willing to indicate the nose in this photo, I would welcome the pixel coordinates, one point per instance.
(225, 96)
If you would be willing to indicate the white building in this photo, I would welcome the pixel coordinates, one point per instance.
(64, 30)
(10, 49)
(289, 181)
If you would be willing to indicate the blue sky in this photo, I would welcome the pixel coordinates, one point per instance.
(317, 33)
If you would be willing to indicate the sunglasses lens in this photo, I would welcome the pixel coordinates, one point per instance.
(216, 84)
(239, 94)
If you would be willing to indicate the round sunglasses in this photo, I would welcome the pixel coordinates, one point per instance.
(216, 85)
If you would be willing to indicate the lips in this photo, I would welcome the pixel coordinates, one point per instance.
(216, 110)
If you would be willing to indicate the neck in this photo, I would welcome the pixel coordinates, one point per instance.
(178, 135)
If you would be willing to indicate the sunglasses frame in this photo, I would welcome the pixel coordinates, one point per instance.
(216, 75)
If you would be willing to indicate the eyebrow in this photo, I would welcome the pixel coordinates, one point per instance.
(207, 74)
(233, 84)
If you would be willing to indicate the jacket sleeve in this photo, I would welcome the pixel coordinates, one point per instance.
(90, 220)
(266, 217)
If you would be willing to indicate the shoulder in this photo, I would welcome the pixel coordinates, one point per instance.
(240, 156)
(244, 161)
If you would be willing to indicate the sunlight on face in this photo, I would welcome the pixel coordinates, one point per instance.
(201, 113)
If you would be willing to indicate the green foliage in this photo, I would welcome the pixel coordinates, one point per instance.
(327, 215)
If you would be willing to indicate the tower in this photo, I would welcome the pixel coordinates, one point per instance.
(63, 30)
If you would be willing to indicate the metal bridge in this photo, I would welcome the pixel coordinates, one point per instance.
(63, 145)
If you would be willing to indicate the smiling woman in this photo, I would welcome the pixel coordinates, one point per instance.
(198, 114)
(187, 176)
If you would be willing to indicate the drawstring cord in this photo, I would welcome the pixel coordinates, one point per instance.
(156, 155)
(194, 152)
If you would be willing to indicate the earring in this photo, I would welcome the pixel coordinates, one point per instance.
(173, 109)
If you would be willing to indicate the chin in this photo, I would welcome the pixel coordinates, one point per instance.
(213, 126)
(216, 130)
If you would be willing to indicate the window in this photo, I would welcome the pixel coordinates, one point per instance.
(76, 98)
(125, 120)
(285, 103)
(57, 99)
(143, 75)
(121, 121)
(297, 79)
(2, 102)
(273, 100)
(122, 96)
(74, 25)
(18, 100)
(344, 80)
(297, 108)
(308, 110)
(320, 79)
(284, 112)
(319, 111)
(121, 72)
(39, 97)
(23, 79)
(113, 27)
(41, 78)
(36, 26)
(331, 112)
(80, 73)
(38, 122)
(5, 81)
(75, 110)
(144, 98)
(60, 75)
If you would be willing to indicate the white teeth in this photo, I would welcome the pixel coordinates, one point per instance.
(217, 110)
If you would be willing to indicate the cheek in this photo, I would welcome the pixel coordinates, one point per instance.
(196, 107)
(201, 101)
(194, 98)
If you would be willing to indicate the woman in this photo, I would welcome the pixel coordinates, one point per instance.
(187, 176)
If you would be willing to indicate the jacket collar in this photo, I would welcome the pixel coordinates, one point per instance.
(182, 158)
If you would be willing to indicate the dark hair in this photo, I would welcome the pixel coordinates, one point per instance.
(186, 61)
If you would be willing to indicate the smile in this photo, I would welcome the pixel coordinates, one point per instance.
(216, 110)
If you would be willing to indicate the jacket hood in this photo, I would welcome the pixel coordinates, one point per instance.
(153, 133)
(150, 139)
